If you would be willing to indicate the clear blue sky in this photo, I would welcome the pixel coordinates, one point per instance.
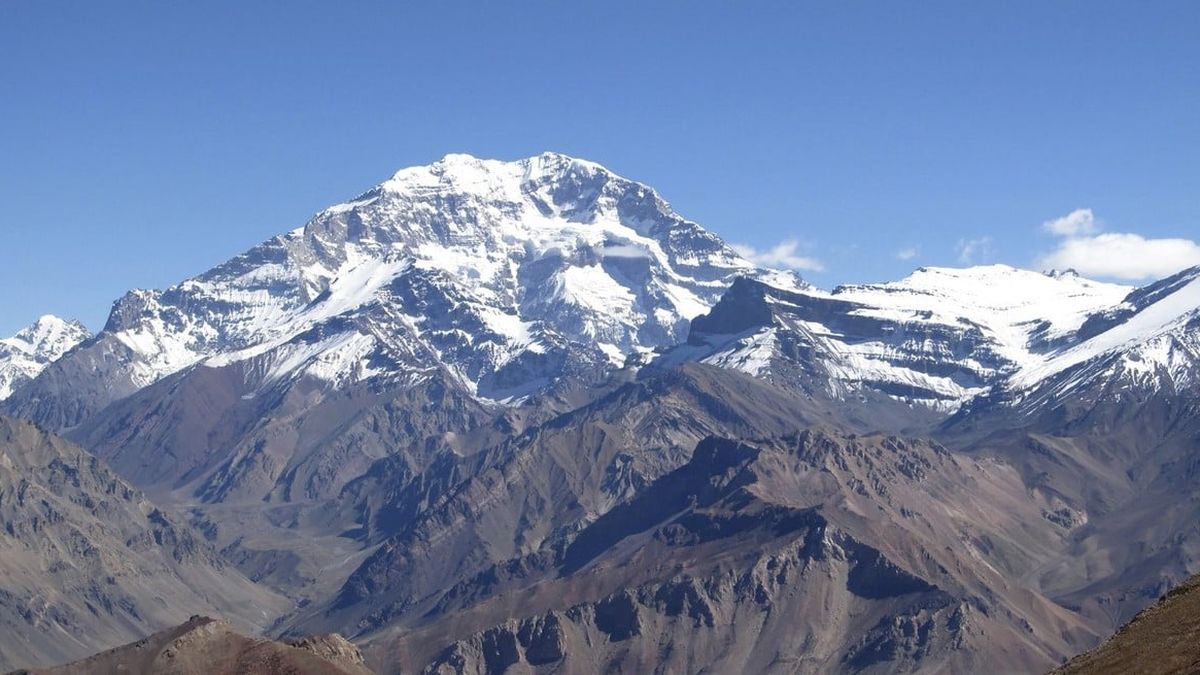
(143, 142)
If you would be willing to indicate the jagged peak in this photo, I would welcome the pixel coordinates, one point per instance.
(461, 171)
(48, 330)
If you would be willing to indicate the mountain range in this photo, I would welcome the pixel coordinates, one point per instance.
(493, 415)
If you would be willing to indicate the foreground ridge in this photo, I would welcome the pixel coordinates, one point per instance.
(206, 646)
(1162, 639)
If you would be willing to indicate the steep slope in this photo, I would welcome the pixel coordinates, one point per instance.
(812, 553)
(86, 562)
(937, 338)
(34, 347)
(1161, 640)
(204, 646)
(505, 275)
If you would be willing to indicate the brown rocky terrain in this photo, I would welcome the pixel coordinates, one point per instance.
(90, 562)
(204, 646)
(1163, 639)
(819, 552)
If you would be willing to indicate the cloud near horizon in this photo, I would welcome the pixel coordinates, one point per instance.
(1118, 255)
(975, 250)
(1075, 223)
(908, 252)
(784, 255)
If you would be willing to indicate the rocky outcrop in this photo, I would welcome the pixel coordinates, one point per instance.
(204, 646)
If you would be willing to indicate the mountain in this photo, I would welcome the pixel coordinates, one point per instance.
(204, 646)
(34, 347)
(1163, 639)
(89, 562)
(816, 552)
(504, 276)
(938, 338)
(943, 338)
(1149, 342)
(442, 311)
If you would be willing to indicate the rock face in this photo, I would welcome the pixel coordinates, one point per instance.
(812, 553)
(26, 354)
(88, 561)
(204, 646)
(1161, 640)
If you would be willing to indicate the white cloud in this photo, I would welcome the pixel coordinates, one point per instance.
(1120, 255)
(624, 251)
(1123, 256)
(908, 252)
(784, 254)
(1075, 223)
(972, 250)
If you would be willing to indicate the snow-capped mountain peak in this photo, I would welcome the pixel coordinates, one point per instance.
(938, 337)
(504, 275)
(25, 354)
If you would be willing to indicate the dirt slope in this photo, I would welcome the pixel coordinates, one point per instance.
(1161, 640)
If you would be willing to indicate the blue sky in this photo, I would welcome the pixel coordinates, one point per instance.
(143, 142)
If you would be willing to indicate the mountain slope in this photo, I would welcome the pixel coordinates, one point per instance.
(204, 646)
(937, 338)
(87, 562)
(26, 354)
(1161, 640)
(811, 553)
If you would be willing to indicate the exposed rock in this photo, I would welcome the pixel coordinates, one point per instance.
(86, 561)
(204, 646)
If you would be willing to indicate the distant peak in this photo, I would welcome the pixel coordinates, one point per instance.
(457, 167)
(50, 325)
(457, 157)
(55, 321)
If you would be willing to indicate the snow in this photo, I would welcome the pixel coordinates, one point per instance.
(1167, 313)
(553, 252)
(1007, 302)
(342, 358)
(751, 354)
(544, 253)
(595, 289)
(24, 355)
(944, 335)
